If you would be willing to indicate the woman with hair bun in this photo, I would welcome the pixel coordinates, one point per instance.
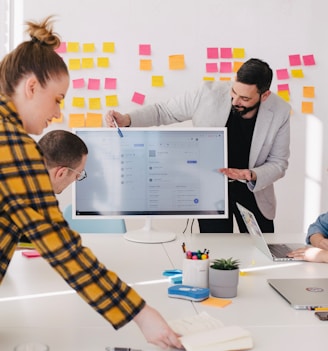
(33, 81)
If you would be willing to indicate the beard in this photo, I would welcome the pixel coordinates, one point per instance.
(242, 110)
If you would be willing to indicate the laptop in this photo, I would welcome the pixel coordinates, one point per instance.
(275, 251)
(302, 293)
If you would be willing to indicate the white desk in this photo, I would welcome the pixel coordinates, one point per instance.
(66, 323)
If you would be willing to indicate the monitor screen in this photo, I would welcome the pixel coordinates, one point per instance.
(153, 172)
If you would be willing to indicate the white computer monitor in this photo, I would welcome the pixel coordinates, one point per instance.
(152, 172)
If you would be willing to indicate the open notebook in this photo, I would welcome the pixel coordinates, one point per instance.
(205, 333)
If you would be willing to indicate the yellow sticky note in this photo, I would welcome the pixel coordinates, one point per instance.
(88, 47)
(236, 65)
(284, 94)
(308, 92)
(94, 104)
(209, 78)
(145, 65)
(111, 101)
(103, 62)
(76, 120)
(74, 64)
(87, 63)
(62, 104)
(176, 62)
(307, 107)
(78, 102)
(238, 52)
(72, 47)
(216, 302)
(297, 73)
(157, 81)
(225, 78)
(93, 120)
(109, 47)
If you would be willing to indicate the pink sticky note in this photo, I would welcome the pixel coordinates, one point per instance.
(212, 67)
(225, 67)
(295, 60)
(308, 60)
(138, 98)
(31, 254)
(283, 87)
(226, 53)
(110, 83)
(93, 84)
(78, 83)
(62, 48)
(144, 49)
(282, 73)
(212, 53)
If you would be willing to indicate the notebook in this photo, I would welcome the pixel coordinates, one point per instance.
(276, 251)
(303, 293)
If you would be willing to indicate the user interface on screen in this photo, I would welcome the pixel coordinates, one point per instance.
(153, 172)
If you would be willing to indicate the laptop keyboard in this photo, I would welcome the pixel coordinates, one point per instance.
(279, 250)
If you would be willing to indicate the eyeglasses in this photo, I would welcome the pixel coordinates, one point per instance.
(81, 175)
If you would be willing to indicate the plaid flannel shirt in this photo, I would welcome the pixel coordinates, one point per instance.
(29, 206)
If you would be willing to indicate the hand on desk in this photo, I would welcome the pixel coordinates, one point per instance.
(156, 330)
(311, 254)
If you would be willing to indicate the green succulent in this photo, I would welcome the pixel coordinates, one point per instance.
(225, 264)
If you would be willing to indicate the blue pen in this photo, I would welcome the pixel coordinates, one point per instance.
(118, 129)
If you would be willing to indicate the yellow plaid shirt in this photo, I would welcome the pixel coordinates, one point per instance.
(29, 206)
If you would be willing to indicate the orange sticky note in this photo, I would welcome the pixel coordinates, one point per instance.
(176, 62)
(93, 120)
(307, 106)
(236, 66)
(145, 65)
(76, 120)
(216, 302)
(308, 92)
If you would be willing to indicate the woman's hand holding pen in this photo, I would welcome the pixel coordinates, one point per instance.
(121, 120)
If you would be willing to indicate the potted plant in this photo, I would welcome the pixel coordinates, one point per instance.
(224, 277)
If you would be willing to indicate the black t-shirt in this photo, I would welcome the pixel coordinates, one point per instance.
(240, 133)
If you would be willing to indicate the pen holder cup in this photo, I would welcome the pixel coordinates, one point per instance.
(195, 272)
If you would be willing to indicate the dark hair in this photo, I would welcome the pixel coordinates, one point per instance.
(62, 148)
(255, 71)
(37, 56)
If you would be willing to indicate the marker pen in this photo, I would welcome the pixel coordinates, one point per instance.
(118, 129)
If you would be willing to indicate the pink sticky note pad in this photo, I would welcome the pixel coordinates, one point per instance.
(31, 254)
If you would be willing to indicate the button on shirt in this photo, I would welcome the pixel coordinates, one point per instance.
(29, 206)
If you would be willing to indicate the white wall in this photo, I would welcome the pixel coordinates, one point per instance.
(271, 30)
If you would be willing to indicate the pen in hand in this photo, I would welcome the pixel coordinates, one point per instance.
(118, 128)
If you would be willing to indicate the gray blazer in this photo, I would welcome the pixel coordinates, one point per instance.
(209, 106)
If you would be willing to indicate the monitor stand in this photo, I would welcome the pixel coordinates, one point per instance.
(149, 235)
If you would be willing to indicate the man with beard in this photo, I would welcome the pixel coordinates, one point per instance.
(258, 127)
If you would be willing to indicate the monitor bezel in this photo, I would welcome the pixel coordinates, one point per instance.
(161, 215)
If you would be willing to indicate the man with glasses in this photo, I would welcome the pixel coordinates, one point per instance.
(65, 155)
(258, 127)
